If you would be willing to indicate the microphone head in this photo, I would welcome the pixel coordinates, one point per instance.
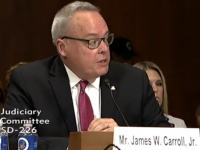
(107, 82)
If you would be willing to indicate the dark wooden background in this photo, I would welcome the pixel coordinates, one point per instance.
(163, 31)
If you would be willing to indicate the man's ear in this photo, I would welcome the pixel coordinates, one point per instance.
(61, 46)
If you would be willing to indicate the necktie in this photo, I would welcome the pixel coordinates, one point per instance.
(85, 108)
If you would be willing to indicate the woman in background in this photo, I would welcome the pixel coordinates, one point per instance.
(197, 114)
(8, 73)
(157, 81)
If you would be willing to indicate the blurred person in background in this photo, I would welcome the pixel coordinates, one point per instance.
(121, 50)
(158, 83)
(10, 71)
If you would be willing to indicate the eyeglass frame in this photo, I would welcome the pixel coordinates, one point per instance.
(88, 41)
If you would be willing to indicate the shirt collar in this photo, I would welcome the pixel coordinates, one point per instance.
(74, 79)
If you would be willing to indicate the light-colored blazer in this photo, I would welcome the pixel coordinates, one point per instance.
(178, 123)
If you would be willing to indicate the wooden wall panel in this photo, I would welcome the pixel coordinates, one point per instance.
(165, 32)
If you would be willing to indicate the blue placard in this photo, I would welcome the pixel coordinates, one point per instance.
(27, 143)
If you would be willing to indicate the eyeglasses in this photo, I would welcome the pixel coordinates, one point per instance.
(94, 43)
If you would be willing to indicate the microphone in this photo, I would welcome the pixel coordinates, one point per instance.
(107, 82)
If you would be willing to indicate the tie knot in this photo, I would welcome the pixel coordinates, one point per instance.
(83, 84)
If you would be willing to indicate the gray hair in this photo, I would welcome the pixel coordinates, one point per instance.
(62, 17)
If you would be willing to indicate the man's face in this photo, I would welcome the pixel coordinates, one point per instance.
(86, 63)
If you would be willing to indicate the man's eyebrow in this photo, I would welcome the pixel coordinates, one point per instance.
(90, 34)
(95, 34)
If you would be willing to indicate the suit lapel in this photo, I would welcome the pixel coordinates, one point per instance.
(107, 105)
(60, 84)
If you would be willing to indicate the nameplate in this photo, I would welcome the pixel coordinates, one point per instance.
(145, 138)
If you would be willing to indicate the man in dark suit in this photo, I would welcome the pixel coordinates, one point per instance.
(73, 89)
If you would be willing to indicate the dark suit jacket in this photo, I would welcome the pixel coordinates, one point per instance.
(44, 85)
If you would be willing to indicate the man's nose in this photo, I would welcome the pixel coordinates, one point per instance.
(103, 47)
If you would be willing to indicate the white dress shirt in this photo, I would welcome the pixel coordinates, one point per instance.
(178, 123)
(92, 90)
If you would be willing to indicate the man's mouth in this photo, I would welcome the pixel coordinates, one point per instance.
(102, 61)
